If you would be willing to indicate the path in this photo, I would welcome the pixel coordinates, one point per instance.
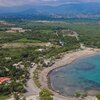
(31, 88)
(77, 37)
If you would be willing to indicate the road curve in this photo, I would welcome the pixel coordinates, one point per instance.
(31, 88)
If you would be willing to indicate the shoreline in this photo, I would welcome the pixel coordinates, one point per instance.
(66, 59)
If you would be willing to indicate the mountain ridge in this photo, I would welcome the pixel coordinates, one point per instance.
(54, 11)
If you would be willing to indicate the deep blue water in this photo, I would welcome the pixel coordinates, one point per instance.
(82, 75)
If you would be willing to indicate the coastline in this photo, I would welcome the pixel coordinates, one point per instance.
(66, 59)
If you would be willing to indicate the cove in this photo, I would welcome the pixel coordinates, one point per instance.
(81, 76)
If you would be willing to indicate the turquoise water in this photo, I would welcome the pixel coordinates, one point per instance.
(81, 76)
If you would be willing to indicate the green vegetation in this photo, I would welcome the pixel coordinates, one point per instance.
(82, 95)
(46, 40)
(89, 33)
(36, 76)
(98, 96)
(45, 95)
(19, 50)
(3, 97)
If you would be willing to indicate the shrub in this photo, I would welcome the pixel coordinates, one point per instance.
(45, 94)
(98, 96)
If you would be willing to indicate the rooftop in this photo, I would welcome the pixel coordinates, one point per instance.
(4, 79)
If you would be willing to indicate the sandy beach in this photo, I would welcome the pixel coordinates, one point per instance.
(66, 59)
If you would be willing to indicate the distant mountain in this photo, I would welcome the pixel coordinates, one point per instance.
(84, 10)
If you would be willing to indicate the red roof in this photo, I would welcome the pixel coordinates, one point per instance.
(4, 79)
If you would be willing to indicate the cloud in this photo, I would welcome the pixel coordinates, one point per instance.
(54, 2)
(15, 2)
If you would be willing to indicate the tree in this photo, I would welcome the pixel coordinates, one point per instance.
(98, 96)
(18, 96)
(45, 94)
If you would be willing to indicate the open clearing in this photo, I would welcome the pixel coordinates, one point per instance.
(23, 45)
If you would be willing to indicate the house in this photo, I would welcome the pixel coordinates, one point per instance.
(6, 23)
(16, 29)
(7, 58)
(48, 62)
(19, 65)
(61, 43)
(32, 65)
(41, 50)
(4, 80)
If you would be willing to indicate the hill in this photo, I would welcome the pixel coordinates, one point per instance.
(79, 10)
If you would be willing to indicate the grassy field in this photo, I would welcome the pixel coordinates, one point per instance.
(3, 97)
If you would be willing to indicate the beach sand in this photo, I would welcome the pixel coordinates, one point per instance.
(66, 59)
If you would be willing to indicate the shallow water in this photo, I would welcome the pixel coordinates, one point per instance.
(81, 76)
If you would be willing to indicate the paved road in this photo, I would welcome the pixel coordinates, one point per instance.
(31, 88)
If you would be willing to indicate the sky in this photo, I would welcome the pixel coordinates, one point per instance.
(9, 3)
